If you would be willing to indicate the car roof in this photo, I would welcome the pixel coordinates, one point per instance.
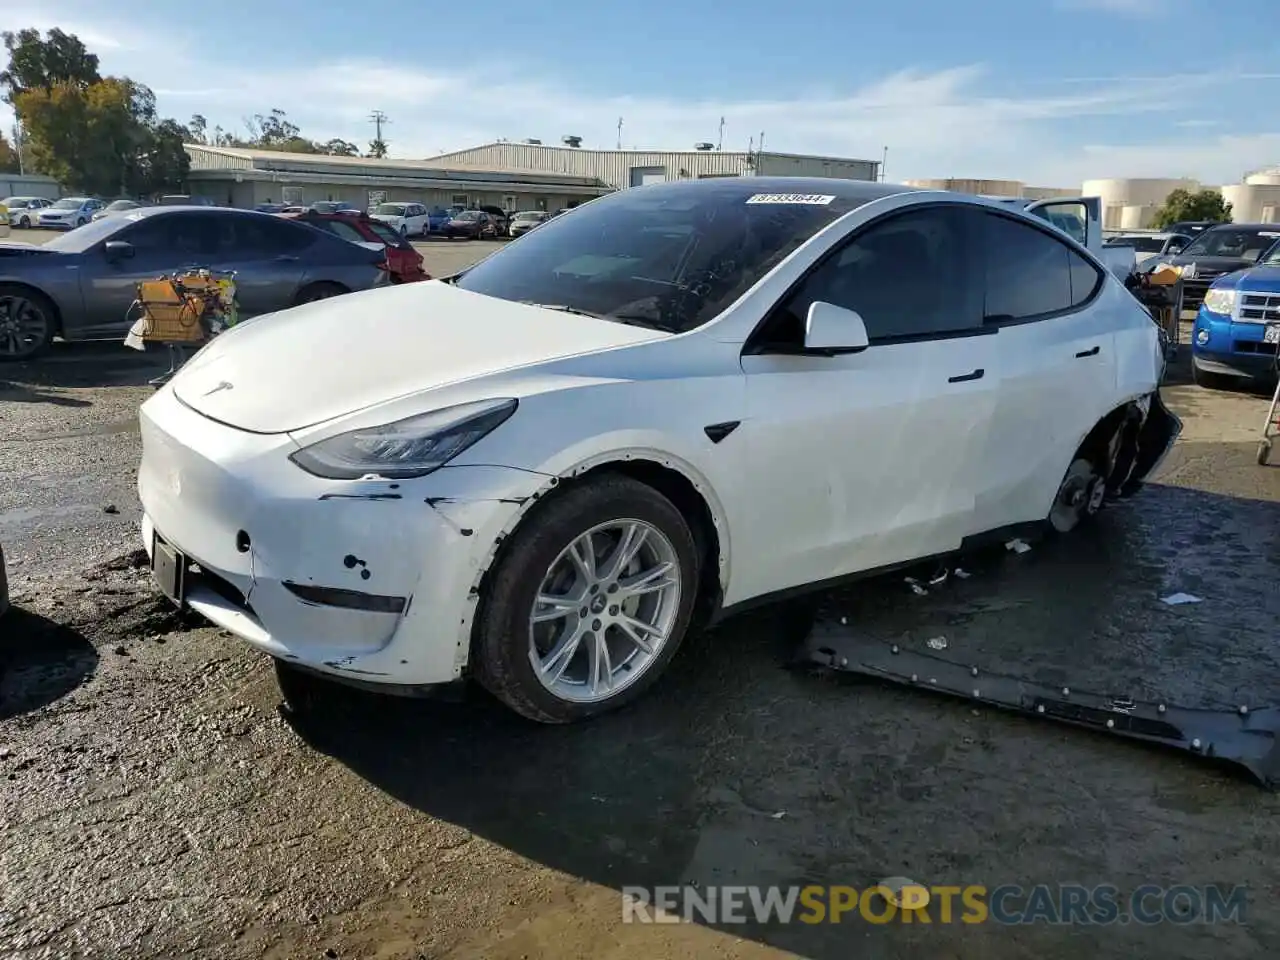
(857, 191)
(1245, 226)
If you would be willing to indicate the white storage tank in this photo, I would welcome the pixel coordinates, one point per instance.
(1131, 203)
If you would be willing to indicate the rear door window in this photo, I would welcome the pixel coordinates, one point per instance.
(1031, 274)
(267, 236)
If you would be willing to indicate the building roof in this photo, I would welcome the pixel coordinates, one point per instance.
(205, 157)
(608, 152)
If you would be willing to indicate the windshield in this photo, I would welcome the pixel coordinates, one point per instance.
(69, 203)
(468, 215)
(530, 216)
(122, 205)
(82, 238)
(1272, 257)
(15, 202)
(1241, 244)
(390, 209)
(439, 212)
(1144, 244)
(669, 257)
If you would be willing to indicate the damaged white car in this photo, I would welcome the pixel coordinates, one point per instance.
(681, 399)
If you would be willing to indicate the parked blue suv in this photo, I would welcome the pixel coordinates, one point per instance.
(1237, 329)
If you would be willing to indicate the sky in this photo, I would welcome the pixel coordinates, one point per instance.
(1049, 92)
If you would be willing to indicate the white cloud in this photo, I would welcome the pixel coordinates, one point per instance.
(935, 124)
(1128, 8)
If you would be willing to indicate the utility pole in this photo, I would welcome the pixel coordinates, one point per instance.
(379, 146)
(883, 161)
(619, 133)
(720, 138)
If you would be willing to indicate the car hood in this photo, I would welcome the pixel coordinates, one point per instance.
(287, 371)
(19, 248)
(1209, 266)
(1255, 280)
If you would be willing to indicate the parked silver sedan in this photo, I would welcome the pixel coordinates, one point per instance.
(81, 285)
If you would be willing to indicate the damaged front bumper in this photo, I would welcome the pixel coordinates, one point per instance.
(371, 581)
(1244, 737)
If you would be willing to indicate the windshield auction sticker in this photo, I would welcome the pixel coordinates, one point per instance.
(814, 198)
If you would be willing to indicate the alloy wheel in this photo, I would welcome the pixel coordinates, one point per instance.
(605, 610)
(24, 328)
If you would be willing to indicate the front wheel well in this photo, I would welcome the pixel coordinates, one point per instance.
(29, 290)
(677, 488)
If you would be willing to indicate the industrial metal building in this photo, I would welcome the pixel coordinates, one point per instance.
(238, 177)
(994, 188)
(633, 168)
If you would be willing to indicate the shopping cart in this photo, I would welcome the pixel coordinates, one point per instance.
(1160, 291)
(1272, 425)
(182, 310)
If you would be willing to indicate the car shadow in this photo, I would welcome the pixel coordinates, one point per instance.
(97, 363)
(739, 768)
(40, 661)
(11, 392)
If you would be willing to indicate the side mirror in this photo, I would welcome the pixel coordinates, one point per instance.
(831, 330)
(117, 250)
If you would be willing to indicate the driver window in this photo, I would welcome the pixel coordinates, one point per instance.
(911, 275)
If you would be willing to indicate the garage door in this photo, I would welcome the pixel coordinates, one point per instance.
(644, 175)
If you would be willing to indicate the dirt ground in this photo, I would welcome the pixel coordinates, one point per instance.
(155, 803)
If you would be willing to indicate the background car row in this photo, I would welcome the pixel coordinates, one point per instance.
(83, 285)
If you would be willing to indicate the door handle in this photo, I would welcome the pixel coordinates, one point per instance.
(1089, 353)
(962, 378)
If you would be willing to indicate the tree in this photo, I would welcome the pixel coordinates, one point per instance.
(1185, 205)
(103, 137)
(197, 128)
(8, 157)
(340, 148)
(377, 148)
(36, 63)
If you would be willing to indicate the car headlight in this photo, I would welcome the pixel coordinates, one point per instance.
(412, 447)
(1220, 300)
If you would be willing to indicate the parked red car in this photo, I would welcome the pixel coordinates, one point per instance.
(404, 263)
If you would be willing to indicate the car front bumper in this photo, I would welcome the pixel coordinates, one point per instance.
(368, 581)
(48, 223)
(1224, 346)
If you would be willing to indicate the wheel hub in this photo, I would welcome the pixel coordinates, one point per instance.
(604, 611)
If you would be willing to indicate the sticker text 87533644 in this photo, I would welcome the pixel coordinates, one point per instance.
(814, 198)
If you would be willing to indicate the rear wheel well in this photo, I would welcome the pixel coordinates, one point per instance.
(1108, 443)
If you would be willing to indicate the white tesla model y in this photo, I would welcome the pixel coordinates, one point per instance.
(668, 403)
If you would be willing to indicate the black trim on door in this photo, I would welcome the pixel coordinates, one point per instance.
(1089, 353)
(966, 377)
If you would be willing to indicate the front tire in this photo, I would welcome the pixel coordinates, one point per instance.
(588, 603)
(1210, 381)
(27, 323)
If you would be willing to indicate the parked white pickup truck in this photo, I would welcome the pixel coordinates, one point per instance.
(1081, 219)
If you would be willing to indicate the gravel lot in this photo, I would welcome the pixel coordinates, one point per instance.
(154, 803)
